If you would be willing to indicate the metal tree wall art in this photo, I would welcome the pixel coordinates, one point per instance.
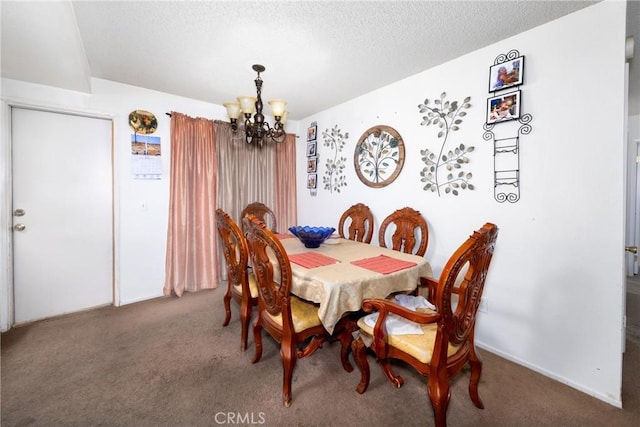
(446, 169)
(379, 156)
(334, 178)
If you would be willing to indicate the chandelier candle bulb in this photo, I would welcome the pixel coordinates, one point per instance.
(233, 109)
(247, 104)
(277, 107)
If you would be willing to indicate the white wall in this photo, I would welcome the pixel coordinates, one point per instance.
(140, 234)
(554, 291)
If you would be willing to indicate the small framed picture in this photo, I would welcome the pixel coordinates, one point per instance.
(503, 107)
(312, 133)
(506, 74)
(311, 180)
(312, 165)
(312, 149)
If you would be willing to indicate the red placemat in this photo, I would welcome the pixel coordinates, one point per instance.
(312, 259)
(284, 236)
(383, 264)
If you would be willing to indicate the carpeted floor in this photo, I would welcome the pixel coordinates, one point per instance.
(169, 362)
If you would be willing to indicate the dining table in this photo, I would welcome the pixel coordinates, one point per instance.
(340, 274)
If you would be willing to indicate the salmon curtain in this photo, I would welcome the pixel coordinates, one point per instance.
(286, 200)
(192, 236)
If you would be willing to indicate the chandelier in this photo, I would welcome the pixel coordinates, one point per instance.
(257, 130)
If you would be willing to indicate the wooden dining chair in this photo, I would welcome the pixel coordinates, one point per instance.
(447, 343)
(263, 213)
(241, 284)
(359, 219)
(407, 222)
(291, 321)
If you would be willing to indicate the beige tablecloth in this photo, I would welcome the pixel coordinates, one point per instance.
(341, 287)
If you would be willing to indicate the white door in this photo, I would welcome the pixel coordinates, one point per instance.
(62, 207)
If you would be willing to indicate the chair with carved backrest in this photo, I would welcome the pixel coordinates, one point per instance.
(241, 285)
(291, 321)
(360, 225)
(263, 213)
(406, 220)
(446, 344)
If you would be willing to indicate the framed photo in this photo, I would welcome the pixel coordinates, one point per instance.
(312, 165)
(506, 74)
(312, 133)
(311, 180)
(503, 107)
(312, 149)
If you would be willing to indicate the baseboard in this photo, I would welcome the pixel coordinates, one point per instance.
(605, 398)
(141, 299)
(633, 287)
(633, 332)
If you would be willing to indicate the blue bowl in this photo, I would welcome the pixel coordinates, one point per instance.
(311, 237)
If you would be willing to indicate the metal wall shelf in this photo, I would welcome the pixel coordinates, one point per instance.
(506, 160)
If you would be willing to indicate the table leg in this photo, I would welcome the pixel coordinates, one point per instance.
(344, 332)
(360, 356)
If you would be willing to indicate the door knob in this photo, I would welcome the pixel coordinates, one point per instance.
(19, 212)
(632, 249)
(19, 227)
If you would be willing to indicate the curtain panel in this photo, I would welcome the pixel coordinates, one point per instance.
(285, 203)
(249, 173)
(192, 235)
(212, 166)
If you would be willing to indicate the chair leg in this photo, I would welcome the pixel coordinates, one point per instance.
(288, 355)
(315, 343)
(396, 380)
(360, 356)
(257, 339)
(476, 370)
(439, 395)
(227, 307)
(245, 318)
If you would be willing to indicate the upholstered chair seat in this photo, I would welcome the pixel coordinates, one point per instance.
(304, 315)
(417, 346)
(253, 286)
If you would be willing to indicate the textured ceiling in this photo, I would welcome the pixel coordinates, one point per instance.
(317, 54)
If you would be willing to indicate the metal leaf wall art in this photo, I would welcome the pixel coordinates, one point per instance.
(446, 169)
(334, 177)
